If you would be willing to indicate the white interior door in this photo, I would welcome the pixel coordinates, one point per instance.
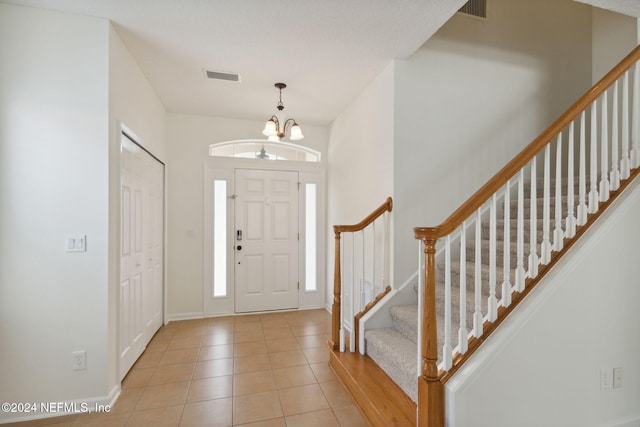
(142, 251)
(266, 240)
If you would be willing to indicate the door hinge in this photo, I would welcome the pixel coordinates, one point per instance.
(298, 236)
(298, 285)
(299, 186)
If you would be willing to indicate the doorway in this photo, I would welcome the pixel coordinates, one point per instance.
(141, 250)
(267, 240)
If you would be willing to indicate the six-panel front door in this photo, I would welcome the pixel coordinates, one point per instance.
(266, 240)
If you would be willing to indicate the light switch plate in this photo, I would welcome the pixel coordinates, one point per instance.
(76, 243)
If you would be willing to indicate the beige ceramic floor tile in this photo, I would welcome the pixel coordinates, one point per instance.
(253, 382)
(218, 338)
(101, 420)
(259, 362)
(311, 341)
(224, 351)
(210, 388)
(177, 357)
(294, 376)
(172, 374)
(127, 400)
(249, 348)
(287, 359)
(138, 377)
(274, 422)
(282, 344)
(275, 333)
(323, 372)
(188, 342)
(248, 336)
(256, 407)
(297, 400)
(158, 396)
(160, 417)
(322, 418)
(317, 355)
(336, 394)
(211, 413)
(350, 416)
(213, 368)
(149, 360)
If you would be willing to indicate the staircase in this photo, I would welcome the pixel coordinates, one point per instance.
(394, 349)
(483, 260)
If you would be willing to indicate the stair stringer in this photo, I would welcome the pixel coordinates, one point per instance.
(379, 316)
(534, 367)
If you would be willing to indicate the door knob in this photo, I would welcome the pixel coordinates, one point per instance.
(239, 248)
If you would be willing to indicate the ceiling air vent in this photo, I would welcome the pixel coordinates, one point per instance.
(222, 76)
(475, 8)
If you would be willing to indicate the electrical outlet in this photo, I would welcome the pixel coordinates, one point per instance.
(618, 373)
(79, 360)
(605, 379)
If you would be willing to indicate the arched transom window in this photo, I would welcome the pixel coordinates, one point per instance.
(260, 149)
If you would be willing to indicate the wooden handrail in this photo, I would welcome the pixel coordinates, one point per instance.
(387, 206)
(431, 381)
(521, 160)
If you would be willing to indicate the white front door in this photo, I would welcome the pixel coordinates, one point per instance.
(266, 240)
(142, 251)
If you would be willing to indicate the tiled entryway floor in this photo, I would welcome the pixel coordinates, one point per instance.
(266, 370)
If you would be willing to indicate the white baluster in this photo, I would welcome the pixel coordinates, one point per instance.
(520, 272)
(506, 256)
(352, 338)
(582, 179)
(635, 133)
(533, 225)
(463, 333)
(373, 265)
(593, 160)
(604, 154)
(492, 301)
(447, 352)
(625, 164)
(570, 223)
(614, 179)
(477, 314)
(545, 247)
(558, 234)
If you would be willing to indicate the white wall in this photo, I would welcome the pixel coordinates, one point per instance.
(361, 152)
(614, 36)
(54, 180)
(472, 97)
(134, 104)
(543, 364)
(188, 140)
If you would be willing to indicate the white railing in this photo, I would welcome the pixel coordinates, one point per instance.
(492, 247)
(362, 268)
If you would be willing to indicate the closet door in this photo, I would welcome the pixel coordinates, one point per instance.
(142, 251)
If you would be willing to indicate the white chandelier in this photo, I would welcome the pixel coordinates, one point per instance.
(272, 128)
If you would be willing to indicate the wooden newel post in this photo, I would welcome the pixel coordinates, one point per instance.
(430, 389)
(337, 291)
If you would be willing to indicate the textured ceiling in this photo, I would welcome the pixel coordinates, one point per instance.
(326, 51)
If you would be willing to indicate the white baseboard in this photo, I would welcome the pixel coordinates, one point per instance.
(185, 316)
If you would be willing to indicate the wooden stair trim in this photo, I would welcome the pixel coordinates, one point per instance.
(380, 400)
(368, 307)
(517, 297)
